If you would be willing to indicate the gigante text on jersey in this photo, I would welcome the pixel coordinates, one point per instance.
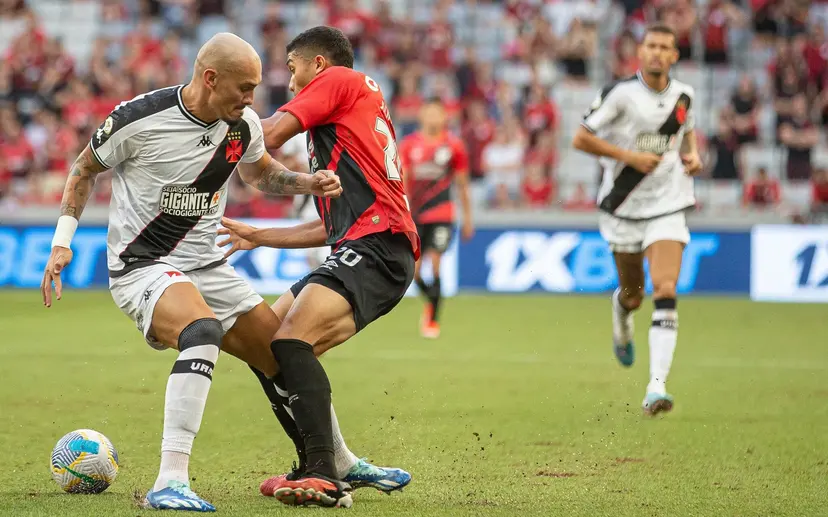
(186, 201)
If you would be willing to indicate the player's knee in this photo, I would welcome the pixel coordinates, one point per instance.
(632, 298)
(664, 289)
(203, 331)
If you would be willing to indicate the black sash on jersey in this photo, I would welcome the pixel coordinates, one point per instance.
(629, 178)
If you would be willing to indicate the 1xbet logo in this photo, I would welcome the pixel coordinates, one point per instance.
(813, 265)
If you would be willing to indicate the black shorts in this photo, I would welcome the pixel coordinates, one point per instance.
(436, 236)
(372, 273)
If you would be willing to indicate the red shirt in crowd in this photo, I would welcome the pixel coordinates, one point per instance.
(762, 192)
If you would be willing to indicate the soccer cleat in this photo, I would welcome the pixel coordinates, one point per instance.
(177, 496)
(313, 490)
(655, 403)
(269, 485)
(623, 330)
(384, 479)
(430, 330)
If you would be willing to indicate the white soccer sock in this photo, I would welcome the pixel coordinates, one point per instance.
(187, 389)
(344, 459)
(663, 336)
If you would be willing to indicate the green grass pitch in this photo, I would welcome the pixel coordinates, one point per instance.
(519, 409)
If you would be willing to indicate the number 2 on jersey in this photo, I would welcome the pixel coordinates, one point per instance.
(392, 167)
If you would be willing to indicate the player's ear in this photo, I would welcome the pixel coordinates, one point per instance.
(210, 78)
(320, 63)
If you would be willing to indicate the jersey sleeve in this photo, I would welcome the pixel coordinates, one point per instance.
(256, 148)
(604, 110)
(323, 100)
(690, 123)
(460, 158)
(116, 140)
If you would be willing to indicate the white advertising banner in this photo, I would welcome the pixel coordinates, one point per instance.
(789, 263)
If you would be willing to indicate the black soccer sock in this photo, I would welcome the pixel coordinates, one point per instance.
(310, 400)
(280, 406)
(425, 289)
(435, 295)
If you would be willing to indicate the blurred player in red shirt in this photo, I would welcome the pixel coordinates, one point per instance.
(373, 239)
(434, 160)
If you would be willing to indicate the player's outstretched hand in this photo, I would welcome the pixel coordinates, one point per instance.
(326, 184)
(692, 163)
(644, 162)
(239, 235)
(58, 260)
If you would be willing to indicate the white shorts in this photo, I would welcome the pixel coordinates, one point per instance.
(226, 293)
(625, 236)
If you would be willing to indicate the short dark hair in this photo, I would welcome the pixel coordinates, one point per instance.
(434, 100)
(324, 41)
(662, 28)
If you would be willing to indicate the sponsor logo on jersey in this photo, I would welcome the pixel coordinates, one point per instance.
(105, 129)
(187, 201)
(235, 148)
(314, 163)
(654, 143)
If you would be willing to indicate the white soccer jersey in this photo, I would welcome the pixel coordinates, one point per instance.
(631, 115)
(169, 180)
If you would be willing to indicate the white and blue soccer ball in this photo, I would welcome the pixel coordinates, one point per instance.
(84, 462)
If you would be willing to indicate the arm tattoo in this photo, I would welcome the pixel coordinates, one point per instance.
(80, 183)
(276, 179)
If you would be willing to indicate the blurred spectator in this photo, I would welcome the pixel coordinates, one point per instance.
(537, 190)
(800, 136)
(580, 200)
(439, 38)
(720, 17)
(819, 192)
(539, 113)
(478, 131)
(765, 16)
(276, 76)
(744, 111)
(502, 198)
(791, 85)
(406, 106)
(503, 157)
(16, 151)
(762, 191)
(681, 16)
(358, 25)
(577, 49)
(545, 152)
(625, 58)
(722, 153)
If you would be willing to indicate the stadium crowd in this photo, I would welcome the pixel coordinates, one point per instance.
(498, 66)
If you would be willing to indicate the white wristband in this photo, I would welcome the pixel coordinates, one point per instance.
(65, 230)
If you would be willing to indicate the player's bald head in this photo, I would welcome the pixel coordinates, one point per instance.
(227, 71)
(227, 53)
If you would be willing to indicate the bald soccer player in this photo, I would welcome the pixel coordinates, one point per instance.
(172, 151)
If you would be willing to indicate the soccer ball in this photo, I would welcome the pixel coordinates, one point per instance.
(84, 462)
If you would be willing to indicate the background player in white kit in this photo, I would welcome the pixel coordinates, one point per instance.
(642, 130)
(172, 151)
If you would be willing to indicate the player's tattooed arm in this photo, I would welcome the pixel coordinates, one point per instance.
(271, 177)
(275, 178)
(80, 183)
